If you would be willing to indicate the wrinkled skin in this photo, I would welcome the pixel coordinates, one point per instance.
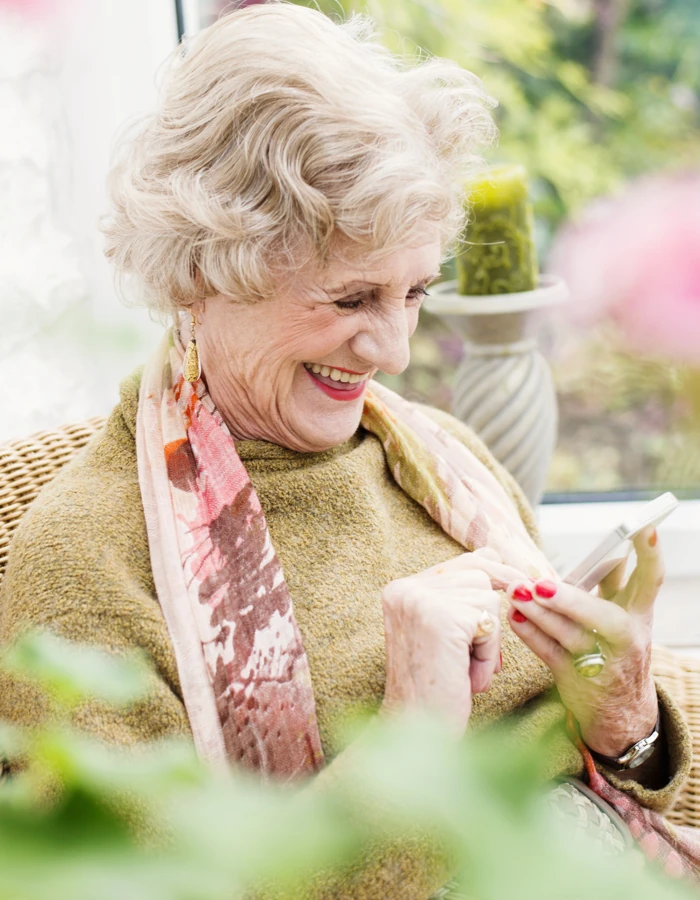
(618, 707)
(431, 621)
(253, 354)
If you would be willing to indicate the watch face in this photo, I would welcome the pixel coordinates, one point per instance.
(643, 755)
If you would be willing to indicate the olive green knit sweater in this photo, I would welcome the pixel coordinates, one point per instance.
(342, 528)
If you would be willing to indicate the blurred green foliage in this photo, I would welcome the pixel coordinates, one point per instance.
(83, 820)
(582, 106)
(591, 93)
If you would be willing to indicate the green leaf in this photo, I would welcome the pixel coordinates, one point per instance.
(73, 673)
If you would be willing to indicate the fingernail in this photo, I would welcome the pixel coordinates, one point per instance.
(545, 588)
(518, 616)
(653, 539)
(522, 593)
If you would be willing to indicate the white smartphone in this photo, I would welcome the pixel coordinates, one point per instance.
(617, 545)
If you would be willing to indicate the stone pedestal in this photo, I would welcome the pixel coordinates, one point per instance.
(503, 387)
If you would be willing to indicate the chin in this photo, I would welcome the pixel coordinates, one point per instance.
(326, 435)
(320, 423)
(320, 442)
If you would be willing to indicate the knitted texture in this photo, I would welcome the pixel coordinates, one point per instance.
(79, 564)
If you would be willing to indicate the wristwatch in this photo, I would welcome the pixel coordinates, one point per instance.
(635, 756)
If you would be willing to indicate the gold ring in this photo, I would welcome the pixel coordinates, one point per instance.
(485, 627)
(590, 664)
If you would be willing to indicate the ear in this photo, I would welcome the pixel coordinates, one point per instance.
(198, 282)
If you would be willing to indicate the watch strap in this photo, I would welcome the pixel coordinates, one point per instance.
(635, 755)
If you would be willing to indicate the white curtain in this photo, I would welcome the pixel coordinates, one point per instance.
(69, 77)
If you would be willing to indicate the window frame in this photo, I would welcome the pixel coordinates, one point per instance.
(571, 530)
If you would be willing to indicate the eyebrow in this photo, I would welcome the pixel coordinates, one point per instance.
(345, 288)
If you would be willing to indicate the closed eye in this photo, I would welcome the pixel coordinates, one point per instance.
(353, 303)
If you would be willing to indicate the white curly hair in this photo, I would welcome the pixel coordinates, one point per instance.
(278, 135)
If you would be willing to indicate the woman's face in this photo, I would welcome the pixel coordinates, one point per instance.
(294, 370)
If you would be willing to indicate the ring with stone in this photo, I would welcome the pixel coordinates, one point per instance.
(591, 663)
(485, 627)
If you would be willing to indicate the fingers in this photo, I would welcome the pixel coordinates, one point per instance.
(466, 580)
(569, 615)
(442, 633)
(573, 637)
(459, 660)
(549, 650)
(459, 563)
(481, 672)
(612, 583)
(648, 576)
(480, 627)
(483, 560)
(485, 654)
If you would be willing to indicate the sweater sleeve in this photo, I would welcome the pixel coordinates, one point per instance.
(79, 567)
(678, 742)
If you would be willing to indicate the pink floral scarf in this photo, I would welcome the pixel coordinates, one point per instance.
(676, 851)
(244, 673)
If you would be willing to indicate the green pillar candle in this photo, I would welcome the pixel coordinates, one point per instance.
(498, 256)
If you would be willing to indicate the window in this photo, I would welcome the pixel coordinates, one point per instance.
(585, 110)
(71, 78)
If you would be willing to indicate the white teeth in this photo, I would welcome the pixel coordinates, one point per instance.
(334, 374)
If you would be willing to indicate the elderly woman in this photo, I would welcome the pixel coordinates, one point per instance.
(285, 538)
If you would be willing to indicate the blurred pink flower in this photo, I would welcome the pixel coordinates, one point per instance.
(46, 15)
(28, 7)
(635, 259)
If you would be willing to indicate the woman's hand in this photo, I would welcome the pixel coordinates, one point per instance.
(618, 707)
(435, 656)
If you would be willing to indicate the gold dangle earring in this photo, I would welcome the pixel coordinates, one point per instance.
(192, 367)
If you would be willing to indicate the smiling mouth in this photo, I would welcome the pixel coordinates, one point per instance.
(334, 377)
(336, 383)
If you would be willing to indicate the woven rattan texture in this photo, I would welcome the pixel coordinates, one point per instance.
(27, 465)
(681, 676)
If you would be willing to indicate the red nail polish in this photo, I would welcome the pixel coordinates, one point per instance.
(518, 616)
(522, 593)
(545, 588)
(653, 539)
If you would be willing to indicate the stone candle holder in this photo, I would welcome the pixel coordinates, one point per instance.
(503, 386)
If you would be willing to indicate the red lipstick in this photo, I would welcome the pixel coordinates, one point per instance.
(344, 392)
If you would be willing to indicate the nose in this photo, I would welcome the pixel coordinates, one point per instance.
(384, 342)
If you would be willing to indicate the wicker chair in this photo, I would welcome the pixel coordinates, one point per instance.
(27, 465)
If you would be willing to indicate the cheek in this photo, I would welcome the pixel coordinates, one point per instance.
(322, 334)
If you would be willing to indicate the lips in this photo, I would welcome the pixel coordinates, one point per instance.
(337, 390)
(332, 383)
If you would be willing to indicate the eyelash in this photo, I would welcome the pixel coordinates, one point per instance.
(350, 305)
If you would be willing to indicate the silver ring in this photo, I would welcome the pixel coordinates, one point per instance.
(590, 664)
